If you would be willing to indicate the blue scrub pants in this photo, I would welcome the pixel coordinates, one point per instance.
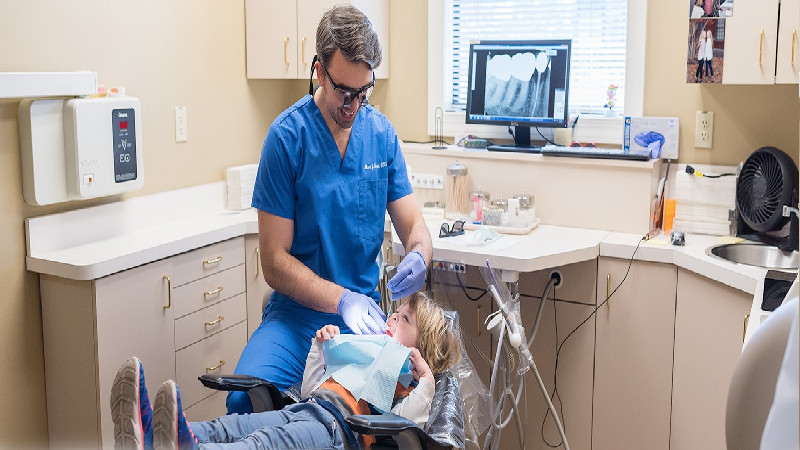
(300, 425)
(278, 349)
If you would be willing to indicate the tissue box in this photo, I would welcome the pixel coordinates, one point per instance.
(666, 126)
(240, 181)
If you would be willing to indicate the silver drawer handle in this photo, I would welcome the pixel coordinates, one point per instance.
(221, 363)
(214, 322)
(213, 261)
(214, 292)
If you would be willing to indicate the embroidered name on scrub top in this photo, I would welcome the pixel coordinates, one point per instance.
(375, 166)
(368, 366)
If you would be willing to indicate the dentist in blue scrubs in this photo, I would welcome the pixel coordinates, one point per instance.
(330, 168)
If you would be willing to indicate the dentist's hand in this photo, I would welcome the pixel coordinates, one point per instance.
(361, 313)
(410, 276)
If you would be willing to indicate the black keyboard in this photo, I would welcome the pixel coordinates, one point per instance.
(594, 152)
(512, 148)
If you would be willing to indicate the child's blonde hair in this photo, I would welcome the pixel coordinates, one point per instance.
(436, 340)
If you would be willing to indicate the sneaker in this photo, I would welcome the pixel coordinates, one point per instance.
(130, 407)
(170, 427)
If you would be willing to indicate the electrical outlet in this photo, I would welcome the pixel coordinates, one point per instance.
(427, 181)
(449, 266)
(704, 129)
(181, 133)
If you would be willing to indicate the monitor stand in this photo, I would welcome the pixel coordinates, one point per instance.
(522, 143)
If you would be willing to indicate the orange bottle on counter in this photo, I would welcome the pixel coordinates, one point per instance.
(669, 214)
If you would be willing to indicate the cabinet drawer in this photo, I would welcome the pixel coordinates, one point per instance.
(208, 260)
(208, 321)
(209, 408)
(207, 356)
(207, 291)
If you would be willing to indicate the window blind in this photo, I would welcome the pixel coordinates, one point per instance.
(596, 27)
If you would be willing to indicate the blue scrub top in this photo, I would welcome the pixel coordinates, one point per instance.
(338, 206)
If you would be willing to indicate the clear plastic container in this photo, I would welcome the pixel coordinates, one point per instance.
(458, 203)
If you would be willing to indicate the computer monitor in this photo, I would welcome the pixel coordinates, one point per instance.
(521, 84)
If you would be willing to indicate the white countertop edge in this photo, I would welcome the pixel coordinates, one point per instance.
(78, 263)
(690, 257)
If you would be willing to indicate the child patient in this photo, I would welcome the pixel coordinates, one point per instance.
(316, 422)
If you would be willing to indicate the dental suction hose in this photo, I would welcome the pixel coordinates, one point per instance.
(516, 338)
(516, 334)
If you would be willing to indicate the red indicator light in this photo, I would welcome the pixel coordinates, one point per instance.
(123, 125)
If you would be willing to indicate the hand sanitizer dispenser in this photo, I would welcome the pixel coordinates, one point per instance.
(80, 148)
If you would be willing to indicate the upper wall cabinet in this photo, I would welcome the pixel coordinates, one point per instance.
(281, 35)
(761, 42)
(786, 70)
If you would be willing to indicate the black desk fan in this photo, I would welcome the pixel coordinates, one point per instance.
(767, 182)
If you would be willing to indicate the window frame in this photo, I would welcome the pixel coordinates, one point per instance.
(593, 127)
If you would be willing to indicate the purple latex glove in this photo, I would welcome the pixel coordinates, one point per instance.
(410, 276)
(652, 140)
(361, 313)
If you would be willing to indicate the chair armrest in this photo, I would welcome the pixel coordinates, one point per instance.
(232, 382)
(264, 396)
(406, 433)
(381, 424)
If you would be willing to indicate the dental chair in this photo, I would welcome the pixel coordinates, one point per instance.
(753, 385)
(444, 429)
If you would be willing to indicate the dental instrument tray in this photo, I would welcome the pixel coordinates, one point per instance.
(503, 229)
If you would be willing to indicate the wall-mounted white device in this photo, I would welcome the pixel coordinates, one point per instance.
(80, 148)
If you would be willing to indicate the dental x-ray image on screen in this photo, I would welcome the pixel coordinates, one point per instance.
(517, 85)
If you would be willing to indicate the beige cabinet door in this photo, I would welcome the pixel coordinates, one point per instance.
(788, 64)
(575, 371)
(271, 33)
(633, 355)
(709, 330)
(134, 318)
(258, 291)
(308, 14)
(750, 43)
(282, 35)
(378, 13)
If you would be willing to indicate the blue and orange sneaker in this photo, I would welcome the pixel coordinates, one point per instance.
(170, 429)
(130, 407)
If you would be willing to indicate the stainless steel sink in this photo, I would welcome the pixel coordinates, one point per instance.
(756, 255)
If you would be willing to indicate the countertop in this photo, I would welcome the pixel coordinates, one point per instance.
(98, 241)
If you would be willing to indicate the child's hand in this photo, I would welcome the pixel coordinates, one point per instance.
(327, 333)
(419, 367)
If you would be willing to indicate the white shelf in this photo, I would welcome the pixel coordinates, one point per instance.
(47, 84)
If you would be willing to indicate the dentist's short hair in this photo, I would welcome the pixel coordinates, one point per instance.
(346, 28)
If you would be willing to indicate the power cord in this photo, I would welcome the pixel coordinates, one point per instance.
(511, 132)
(485, 291)
(545, 139)
(692, 171)
(554, 396)
(560, 346)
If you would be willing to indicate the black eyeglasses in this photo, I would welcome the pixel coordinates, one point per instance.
(347, 94)
(446, 230)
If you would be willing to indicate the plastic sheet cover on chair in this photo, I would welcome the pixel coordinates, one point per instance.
(474, 405)
(446, 424)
